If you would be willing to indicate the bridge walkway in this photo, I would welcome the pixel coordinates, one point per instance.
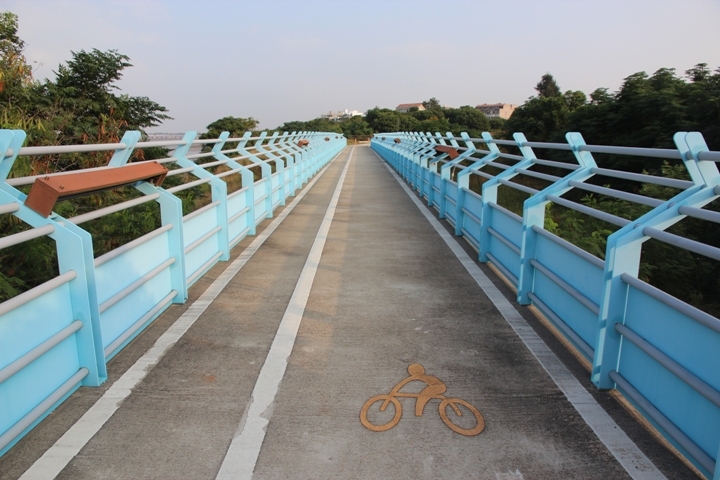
(192, 396)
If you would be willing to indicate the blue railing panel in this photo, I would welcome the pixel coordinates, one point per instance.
(121, 316)
(450, 200)
(510, 229)
(23, 329)
(581, 274)
(696, 416)
(195, 229)
(574, 314)
(471, 222)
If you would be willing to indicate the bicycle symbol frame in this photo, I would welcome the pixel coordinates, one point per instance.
(434, 390)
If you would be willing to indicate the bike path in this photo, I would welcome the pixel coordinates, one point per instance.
(389, 294)
(180, 418)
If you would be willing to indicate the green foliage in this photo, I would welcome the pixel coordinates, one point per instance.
(547, 87)
(80, 106)
(237, 126)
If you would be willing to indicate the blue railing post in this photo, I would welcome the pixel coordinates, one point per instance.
(265, 170)
(75, 253)
(463, 178)
(218, 189)
(279, 166)
(247, 179)
(623, 254)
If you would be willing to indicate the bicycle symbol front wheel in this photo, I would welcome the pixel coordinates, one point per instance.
(454, 402)
(386, 426)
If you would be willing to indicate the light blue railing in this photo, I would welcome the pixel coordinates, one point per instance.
(60, 334)
(660, 352)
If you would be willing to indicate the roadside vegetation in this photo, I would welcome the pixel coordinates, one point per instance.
(84, 105)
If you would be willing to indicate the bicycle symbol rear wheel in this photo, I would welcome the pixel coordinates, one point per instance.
(453, 402)
(387, 426)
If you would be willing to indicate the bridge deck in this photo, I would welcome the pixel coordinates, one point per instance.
(388, 291)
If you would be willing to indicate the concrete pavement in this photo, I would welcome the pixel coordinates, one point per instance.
(388, 292)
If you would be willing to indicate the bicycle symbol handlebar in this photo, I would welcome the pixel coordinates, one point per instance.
(434, 390)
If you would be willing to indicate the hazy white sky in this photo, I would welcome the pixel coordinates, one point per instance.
(282, 60)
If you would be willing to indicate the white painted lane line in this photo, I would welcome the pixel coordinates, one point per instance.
(244, 449)
(622, 448)
(68, 446)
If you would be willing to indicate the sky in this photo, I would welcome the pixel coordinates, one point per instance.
(284, 60)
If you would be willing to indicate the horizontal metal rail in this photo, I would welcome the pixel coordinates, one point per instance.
(696, 314)
(630, 197)
(9, 208)
(204, 267)
(541, 176)
(42, 289)
(132, 244)
(200, 211)
(242, 212)
(698, 384)
(589, 304)
(42, 407)
(104, 306)
(60, 149)
(161, 143)
(683, 440)
(634, 151)
(517, 186)
(564, 327)
(599, 214)
(592, 259)
(503, 240)
(202, 239)
(682, 242)
(189, 185)
(470, 239)
(86, 217)
(179, 171)
(471, 215)
(507, 212)
(552, 163)
(699, 213)
(29, 357)
(502, 268)
(237, 192)
(639, 177)
(117, 343)
(709, 156)
(26, 236)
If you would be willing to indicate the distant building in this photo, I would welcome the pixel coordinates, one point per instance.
(502, 110)
(342, 114)
(405, 107)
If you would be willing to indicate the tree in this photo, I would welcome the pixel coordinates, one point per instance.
(432, 104)
(541, 118)
(547, 87)
(355, 125)
(467, 119)
(237, 126)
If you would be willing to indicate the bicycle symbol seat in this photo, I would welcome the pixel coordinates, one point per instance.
(434, 390)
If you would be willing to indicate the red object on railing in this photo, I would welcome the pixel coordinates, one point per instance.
(452, 153)
(303, 143)
(46, 191)
(397, 140)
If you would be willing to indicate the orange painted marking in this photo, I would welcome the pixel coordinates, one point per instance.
(434, 390)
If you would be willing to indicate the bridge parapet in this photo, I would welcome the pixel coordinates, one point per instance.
(60, 334)
(661, 353)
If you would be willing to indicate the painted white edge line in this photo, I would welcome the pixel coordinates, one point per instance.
(625, 451)
(56, 458)
(242, 455)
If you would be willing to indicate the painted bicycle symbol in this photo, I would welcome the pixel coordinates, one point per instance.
(434, 390)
